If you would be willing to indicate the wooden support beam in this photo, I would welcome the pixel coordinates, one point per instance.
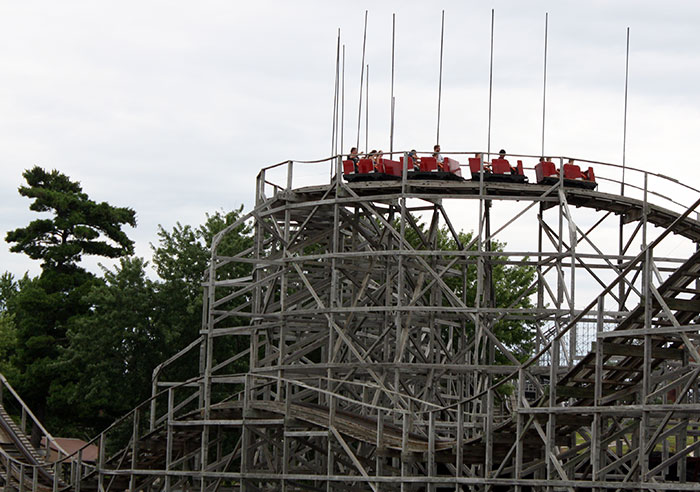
(689, 305)
(611, 348)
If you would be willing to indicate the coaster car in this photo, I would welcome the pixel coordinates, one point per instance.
(547, 173)
(366, 170)
(388, 170)
(429, 169)
(500, 170)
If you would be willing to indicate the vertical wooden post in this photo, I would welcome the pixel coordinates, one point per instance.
(169, 437)
(519, 418)
(405, 456)
(646, 367)
(597, 452)
(431, 451)
(21, 477)
(285, 438)
(488, 459)
(100, 463)
(459, 454)
(134, 447)
(245, 434)
(380, 447)
(79, 475)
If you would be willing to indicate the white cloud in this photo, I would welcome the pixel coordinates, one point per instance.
(172, 107)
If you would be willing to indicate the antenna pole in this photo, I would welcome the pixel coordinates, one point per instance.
(488, 147)
(362, 75)
(393, 39)
(624, 125)
(442, 38)
(544, 78)
(622, 181)
(367, 113)
(342, 105)
(334, 137)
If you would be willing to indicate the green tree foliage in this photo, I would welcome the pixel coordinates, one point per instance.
(79, 225)
(44, 308)
(181, 259)
(508, 282)
(8, 332)
(8, 289)
(8, 345)
(107, 365)
(134, 323)
(81, 349)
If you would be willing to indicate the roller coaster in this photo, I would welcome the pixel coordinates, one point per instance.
(375, 361)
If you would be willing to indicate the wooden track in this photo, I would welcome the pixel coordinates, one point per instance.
(630, 209)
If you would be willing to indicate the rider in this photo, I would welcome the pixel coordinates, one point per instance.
(438, 157)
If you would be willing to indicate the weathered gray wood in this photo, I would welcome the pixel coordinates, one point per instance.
(369, 368)
(612, 348)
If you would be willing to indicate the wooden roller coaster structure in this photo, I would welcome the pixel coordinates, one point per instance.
(374, 356)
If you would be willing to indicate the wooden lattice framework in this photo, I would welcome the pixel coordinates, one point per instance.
(375, 362)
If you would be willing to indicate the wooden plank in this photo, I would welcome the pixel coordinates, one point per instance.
(656, 332)
(687, 290)
(691, 305)
(610, 348)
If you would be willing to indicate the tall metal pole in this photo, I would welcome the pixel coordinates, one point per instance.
(544, 78)
(488, 147)
(393, 40)
(362, 75)
(342, 105)
(442, 38)
(367, 114)
(336, 90)
(336, 102)
(624, 125)
(337, 97)
(621, 245)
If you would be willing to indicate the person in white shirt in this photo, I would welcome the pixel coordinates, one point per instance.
(438, 156)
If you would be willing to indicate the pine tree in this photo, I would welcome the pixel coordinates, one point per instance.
(44, 307)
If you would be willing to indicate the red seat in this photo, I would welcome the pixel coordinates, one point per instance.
(519, 168)
(410, 163)
(348, 167)
(500, 166)
(545, 170)
(365, 166)
(428, 164)
(572, 171)
(452, 166)
(589, 176)
(475, 164)
(392, 167)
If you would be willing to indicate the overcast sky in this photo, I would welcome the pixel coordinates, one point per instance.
(172, 107)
